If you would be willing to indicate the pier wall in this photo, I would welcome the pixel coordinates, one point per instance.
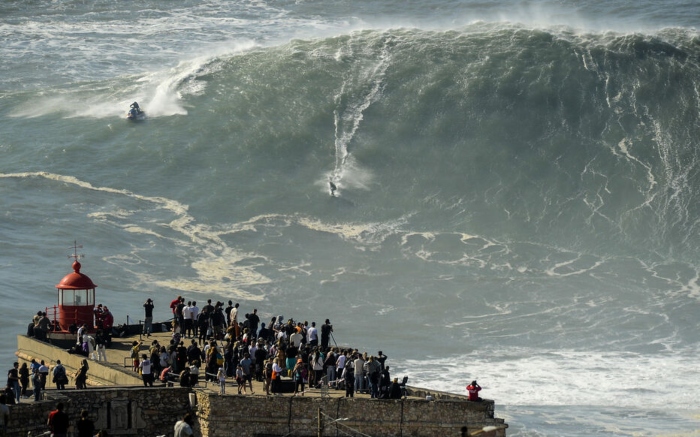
(278, 416)
(140, 411)
(123, 411)
(100, 373)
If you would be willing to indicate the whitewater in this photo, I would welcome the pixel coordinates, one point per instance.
(517, 198)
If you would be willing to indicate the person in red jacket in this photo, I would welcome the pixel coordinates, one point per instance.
(58, 421)
(175, 303)
(474, 390)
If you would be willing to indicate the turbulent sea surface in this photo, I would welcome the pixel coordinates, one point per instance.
(518, 184)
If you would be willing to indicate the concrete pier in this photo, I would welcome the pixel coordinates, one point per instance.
(118, 402)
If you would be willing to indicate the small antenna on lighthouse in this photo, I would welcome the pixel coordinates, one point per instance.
(75, 255)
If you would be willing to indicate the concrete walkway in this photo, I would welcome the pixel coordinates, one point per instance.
(117, 371)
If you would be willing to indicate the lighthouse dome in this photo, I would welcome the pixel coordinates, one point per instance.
(76, 280)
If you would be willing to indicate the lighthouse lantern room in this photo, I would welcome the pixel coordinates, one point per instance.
(76, 298)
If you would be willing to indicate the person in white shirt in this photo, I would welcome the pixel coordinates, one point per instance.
(340, 363)
(183, 428)
(81, 331)
(277, 370)
(146, 372)
(312, 335)
(359, 365)
(194, 316)
(194, 374)
(187, 329)
(296, 338)
(221, 377)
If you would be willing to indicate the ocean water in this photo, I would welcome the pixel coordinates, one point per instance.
(518, 184)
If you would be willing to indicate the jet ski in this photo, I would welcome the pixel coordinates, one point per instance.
(135, 113)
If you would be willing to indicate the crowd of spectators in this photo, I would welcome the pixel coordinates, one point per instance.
(218, 342)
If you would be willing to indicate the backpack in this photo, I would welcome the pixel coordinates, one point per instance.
(60, 374)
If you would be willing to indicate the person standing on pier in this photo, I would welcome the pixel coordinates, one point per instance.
(227, 310)
(253, 322)
(13, 380)
(101, 348)
(135, 348)
(221, 377)
(148, 322)
(44, 374)
(146, 371)
(81, 375)
(194, 316)
(36, 382)
(312, 335)
(180, 315)
(359, 365)
(24, 378)
(187, 320)
(349, 378)
(326, 330)
(276, 376)
(81, 331)
(329, 364)
(60, 378)
(42, 328)
(174, 304)
(233, 319)
(299, 373)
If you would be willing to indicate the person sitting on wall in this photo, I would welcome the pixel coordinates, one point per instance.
(474, 390)
(165, 375)
(395, 389)
(186, 378)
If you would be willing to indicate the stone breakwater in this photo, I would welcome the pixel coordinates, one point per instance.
(124, 407)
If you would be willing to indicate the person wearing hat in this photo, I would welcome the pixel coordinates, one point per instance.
(299, 373)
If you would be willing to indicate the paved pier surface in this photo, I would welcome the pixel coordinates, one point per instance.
(118, 371)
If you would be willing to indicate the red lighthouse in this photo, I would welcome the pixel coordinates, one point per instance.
(76, 299)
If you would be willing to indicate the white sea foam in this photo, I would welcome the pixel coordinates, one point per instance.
(530, 376)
